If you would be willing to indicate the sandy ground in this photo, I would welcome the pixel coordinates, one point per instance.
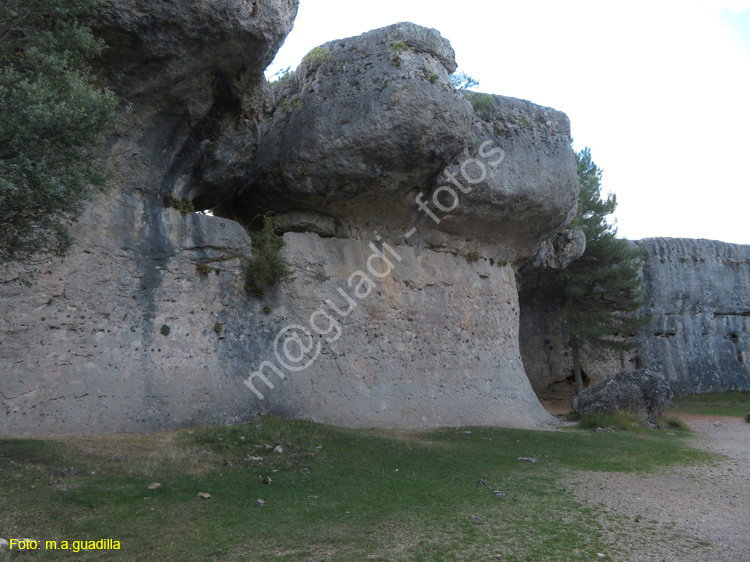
(681, 514)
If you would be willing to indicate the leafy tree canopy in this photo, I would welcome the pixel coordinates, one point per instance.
(53, 114)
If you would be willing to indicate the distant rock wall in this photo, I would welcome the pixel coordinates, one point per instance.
(698, 292)
(398, 315)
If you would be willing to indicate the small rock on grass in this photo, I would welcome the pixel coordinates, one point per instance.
(154, 486)
(204, 495)
(527, 459)
(267, 481)
(278, 449)
(304, 471)
(254, 459)
(260, 502)
(499, 493)
(4, 544)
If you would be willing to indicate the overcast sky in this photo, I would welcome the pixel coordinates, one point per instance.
(659, 90)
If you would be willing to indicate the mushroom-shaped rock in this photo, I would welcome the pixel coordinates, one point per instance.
(366, 125)
(360, 124)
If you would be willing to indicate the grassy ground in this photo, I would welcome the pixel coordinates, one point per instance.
(368, 495)
(713, 404)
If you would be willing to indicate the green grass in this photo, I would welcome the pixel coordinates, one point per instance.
(713, 404)
(368, 495)
(625, 421)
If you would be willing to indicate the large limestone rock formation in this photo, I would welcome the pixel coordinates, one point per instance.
(366, 124)
(400, 314)
(698, 295)
(698, 292)
(119, 335)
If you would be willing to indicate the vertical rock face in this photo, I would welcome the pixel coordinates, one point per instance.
(119, 336)
(401, 315)
(698, 292)
(396, 336)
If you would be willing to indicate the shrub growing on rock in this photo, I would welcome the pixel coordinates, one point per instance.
(483, 103)
(266, 268)
(318, 54)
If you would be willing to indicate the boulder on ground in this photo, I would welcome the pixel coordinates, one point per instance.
(643, 392)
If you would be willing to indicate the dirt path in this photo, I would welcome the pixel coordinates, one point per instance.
(681, 514)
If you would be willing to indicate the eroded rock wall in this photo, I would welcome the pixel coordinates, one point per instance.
(698, 292)
(119, 335)
(410, 338)
(399, 316)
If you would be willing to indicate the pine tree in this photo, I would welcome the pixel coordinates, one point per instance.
(602, 289)
(52, 115)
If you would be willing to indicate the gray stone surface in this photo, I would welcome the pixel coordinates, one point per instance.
(125, 334)
(434, 343)
(170, 52)
(360, 129)
(360, 126)
(193, 72)
(643, 392)
(533, 194)
(557, 252)
(307, 221)
(698, 292)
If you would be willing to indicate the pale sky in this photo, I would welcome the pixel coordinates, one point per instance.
(659, 90)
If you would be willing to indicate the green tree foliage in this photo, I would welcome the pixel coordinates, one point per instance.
(53, 114)
(267, 267)
(602, 289)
